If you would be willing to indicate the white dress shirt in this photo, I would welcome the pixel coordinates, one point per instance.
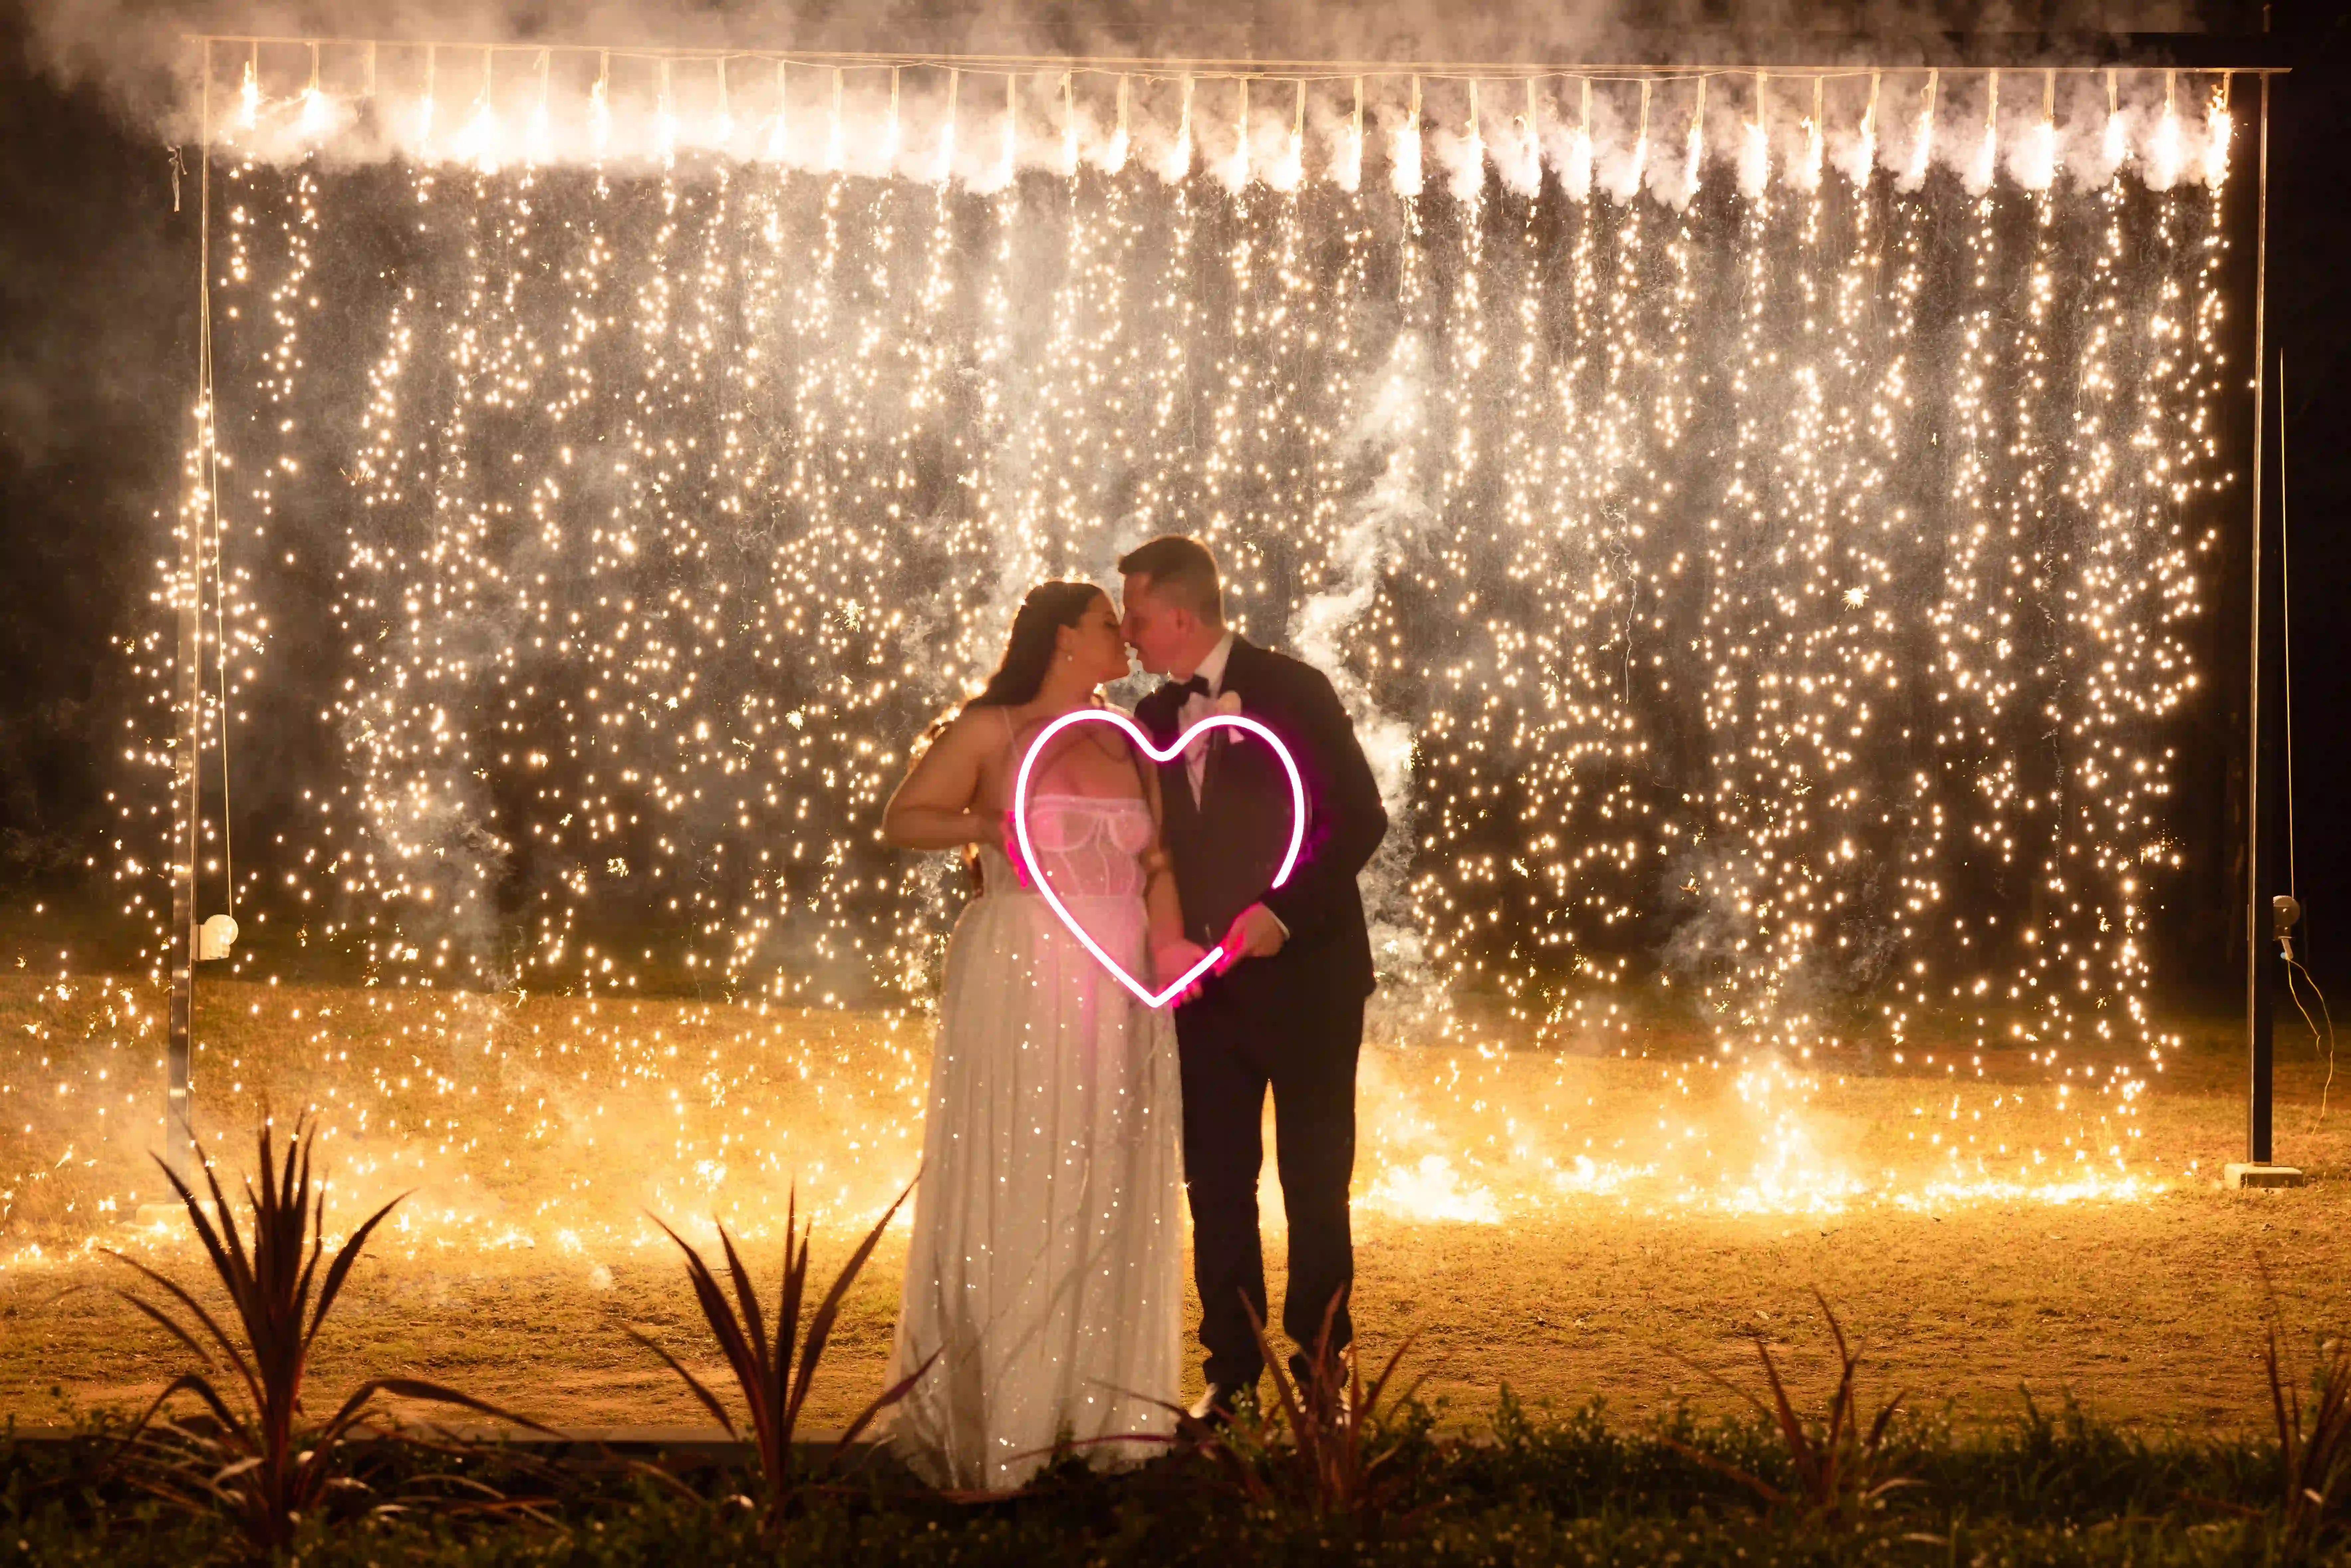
(1197, 707)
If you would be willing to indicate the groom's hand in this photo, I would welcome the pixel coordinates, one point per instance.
(1173, 961)
(1255, 934)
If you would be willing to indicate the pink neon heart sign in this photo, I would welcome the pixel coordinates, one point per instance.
(1135, 732)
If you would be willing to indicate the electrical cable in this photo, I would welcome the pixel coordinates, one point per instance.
(2293, 967)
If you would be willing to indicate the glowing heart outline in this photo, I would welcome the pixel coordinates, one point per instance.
(1135, 732)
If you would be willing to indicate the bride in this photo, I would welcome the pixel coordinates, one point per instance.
(1044, 1272)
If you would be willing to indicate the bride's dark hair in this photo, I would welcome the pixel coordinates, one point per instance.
(1029, 650)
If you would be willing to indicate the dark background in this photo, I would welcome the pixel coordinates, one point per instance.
(97, 377)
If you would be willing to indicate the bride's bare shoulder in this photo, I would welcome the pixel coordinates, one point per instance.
(975, 730)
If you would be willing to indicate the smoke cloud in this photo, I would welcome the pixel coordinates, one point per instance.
(576, 82)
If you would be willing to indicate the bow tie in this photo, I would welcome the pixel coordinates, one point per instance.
(1196, 686)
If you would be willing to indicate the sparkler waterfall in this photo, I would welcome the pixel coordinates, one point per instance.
(1774, 611)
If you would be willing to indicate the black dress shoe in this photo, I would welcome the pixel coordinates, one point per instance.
(1215, 1408)
(1301, 1378)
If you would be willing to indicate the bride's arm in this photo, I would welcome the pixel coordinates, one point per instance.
(933, 808)
(1172, 953)
(1162, 908)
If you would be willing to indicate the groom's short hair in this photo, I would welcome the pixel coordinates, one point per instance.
(1181, 569)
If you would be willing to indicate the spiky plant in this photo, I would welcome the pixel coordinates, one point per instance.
(1841, 1467)
(774, 1371)
(1327, 1445)
(2313, 1442)
(255, 1459)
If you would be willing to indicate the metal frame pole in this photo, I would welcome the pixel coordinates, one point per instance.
(179, 1131)
(2263, 796)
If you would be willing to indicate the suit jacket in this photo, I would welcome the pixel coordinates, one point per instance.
(1226, 849)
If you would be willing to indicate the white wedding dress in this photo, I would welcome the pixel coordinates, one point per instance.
(1046, 1261)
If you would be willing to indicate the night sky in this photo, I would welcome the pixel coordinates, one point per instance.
(98, 372)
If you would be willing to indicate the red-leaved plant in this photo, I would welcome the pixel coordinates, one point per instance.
(1326, 1445)
(257, 1461)
(774, 1371)
(1842, 1466)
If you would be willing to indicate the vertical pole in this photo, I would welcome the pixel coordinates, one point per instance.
(2268, 665)
(188, 694)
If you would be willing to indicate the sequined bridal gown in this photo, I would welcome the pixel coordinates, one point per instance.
(1046, 1258)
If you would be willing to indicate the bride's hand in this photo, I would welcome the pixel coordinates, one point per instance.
(1171, 961)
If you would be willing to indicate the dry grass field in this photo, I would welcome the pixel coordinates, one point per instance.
(1570, 1224)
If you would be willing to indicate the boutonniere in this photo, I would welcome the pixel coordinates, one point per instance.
(1228, 703)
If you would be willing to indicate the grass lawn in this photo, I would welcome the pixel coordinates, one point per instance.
(1572, 1223)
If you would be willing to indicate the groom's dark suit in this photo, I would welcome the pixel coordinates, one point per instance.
(1294, 1020)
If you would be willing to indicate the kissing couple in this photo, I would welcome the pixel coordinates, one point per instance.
(1044, 1270)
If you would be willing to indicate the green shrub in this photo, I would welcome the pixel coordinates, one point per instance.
(1537, 1488)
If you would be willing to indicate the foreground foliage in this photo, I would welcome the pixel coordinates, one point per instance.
(254, 1458)
(1841, 1466)
(773, 1383)
(1530, 1489)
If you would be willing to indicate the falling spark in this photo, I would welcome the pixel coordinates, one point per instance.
(1636, 166)
(249, 95)
(1069, 126)
(779, 129)
(1405, 165)
(1236, 172)
(537, 141)
(1347, 172)
(2115, 146)
(834, 133)
(1524, 173)
(424, 110)
(1986, 162)
(1011, 133)
(1693, 150)
(1290, 167)
(1865, 157)
(1637, 163)
(316, 113)
(1114, 153)
(599, 105)
(1922, 142)
(1469, 180)
(943, 169)
(1755, 158)
(722, 126)
(2036, 161)
(2216, 137)
(1815, 143)
(1178, 164)
(477, 143)
(2165, 169)
(664, 121)
(1576, 176)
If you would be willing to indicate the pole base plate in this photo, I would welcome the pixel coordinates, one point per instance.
(2238, 1176)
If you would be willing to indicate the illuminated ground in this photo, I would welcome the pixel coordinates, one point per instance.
(2075, 1242)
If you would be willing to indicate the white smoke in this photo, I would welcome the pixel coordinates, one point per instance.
(1383, 526)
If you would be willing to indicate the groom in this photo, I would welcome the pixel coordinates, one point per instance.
(1284, 1007)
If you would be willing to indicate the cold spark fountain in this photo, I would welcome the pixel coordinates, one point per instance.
(1764, 525)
